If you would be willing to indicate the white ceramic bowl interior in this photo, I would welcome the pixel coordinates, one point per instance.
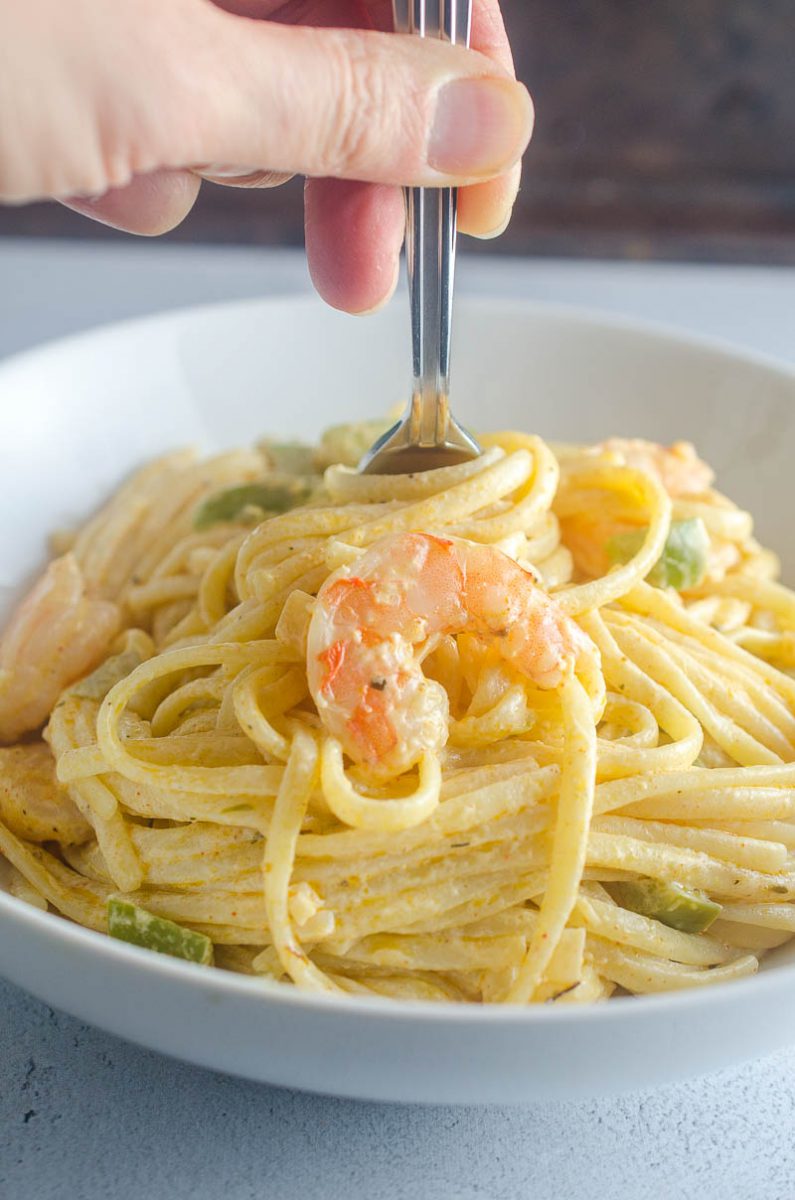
(78, 415)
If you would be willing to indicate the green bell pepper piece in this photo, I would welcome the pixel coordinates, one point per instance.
(670, 903)
(277, 496)
(684, 558)
(129, 923)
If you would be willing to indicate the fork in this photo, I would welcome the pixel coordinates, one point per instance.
(428, 436)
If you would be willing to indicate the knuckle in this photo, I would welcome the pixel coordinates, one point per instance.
(355, 130)
(50, 169)
(240, 178)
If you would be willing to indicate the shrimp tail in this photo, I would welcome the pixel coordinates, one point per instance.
(57, 635)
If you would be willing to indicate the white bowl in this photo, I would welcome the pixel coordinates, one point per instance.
(79, 414)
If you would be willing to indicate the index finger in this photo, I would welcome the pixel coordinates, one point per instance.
(484, 209)
(489, 35)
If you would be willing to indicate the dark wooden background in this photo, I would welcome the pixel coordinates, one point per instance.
(665, 128)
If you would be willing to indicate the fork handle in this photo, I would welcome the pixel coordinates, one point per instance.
(430, 245)
(430, 260)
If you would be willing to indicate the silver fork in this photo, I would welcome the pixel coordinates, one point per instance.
(428, 436)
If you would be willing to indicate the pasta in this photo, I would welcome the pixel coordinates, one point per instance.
(517, 731)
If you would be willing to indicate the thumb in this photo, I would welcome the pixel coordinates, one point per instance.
(346, 103)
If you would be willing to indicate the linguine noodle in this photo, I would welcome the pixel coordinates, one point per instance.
(190, 770)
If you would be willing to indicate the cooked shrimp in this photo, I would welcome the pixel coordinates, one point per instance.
(32, 803)
(599, 518)
(677, 467)
(370, 618)
(57, 635)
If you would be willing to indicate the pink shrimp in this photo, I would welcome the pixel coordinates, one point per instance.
(677, 467)
(32, 803)
(363, 672)
(57, 635)
(587, 532)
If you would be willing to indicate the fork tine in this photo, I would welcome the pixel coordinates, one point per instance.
(458, 21)
(448, 19)
(401, 18)
(419, 18)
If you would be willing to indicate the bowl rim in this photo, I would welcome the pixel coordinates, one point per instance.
(49, 925)
(230, 984)
(663, 332)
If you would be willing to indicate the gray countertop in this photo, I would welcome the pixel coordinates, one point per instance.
(85, 1116)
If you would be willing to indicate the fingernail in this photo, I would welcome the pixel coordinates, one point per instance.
(86, 207)
(382, 303)
(493, 233)
(481, 126)
(224, 171)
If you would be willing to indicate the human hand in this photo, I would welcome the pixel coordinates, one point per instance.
(120, 109)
